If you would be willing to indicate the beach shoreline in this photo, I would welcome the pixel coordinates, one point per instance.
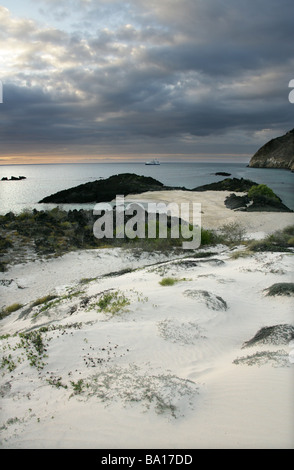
(215, 214)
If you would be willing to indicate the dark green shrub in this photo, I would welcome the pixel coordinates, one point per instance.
(207, 237)
(5, 243)
(281, 288)
(262, 190)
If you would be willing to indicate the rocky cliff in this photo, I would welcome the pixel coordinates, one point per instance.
(277, 153)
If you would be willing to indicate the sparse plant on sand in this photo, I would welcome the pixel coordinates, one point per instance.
(77, 386)
(43, 300)
(10, 309)
(112, 302)
(7, 362)
(168, 281)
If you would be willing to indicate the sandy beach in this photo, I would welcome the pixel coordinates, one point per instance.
(215, 213)
(118, 360)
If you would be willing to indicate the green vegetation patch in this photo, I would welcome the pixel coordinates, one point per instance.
(31, 346)
(168, 281)
(43, 300)
(262, 190)
(10, 309)
(111, 302)
(171, 281)
(35, 347)
(279, 241)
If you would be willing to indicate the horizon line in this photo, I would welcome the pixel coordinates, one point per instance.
(114, 160)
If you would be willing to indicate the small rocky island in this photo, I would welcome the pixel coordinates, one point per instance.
(13, 178)
(107, 189)
(277, 153)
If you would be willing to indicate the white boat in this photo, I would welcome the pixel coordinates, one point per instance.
(152, 162)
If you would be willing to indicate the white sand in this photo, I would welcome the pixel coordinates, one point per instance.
(159, 373)
(215, 213)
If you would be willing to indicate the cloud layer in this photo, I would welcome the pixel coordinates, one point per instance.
(180, 77)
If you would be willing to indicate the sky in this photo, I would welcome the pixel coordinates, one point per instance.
(178, 80)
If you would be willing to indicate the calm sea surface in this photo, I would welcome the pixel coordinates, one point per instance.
(43, 180)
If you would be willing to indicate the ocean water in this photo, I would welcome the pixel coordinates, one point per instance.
(43, 180)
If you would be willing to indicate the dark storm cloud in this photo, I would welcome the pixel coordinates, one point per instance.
(168, 70)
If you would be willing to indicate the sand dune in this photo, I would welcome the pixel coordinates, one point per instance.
(123, 362)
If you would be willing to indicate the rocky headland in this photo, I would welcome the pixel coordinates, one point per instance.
(277, 153)
(106, 190)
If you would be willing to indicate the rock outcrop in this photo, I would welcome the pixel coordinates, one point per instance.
(229, 184)
(107, 189)
(222, 173)
(258, 204)
(13, 178)
(277, 153)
